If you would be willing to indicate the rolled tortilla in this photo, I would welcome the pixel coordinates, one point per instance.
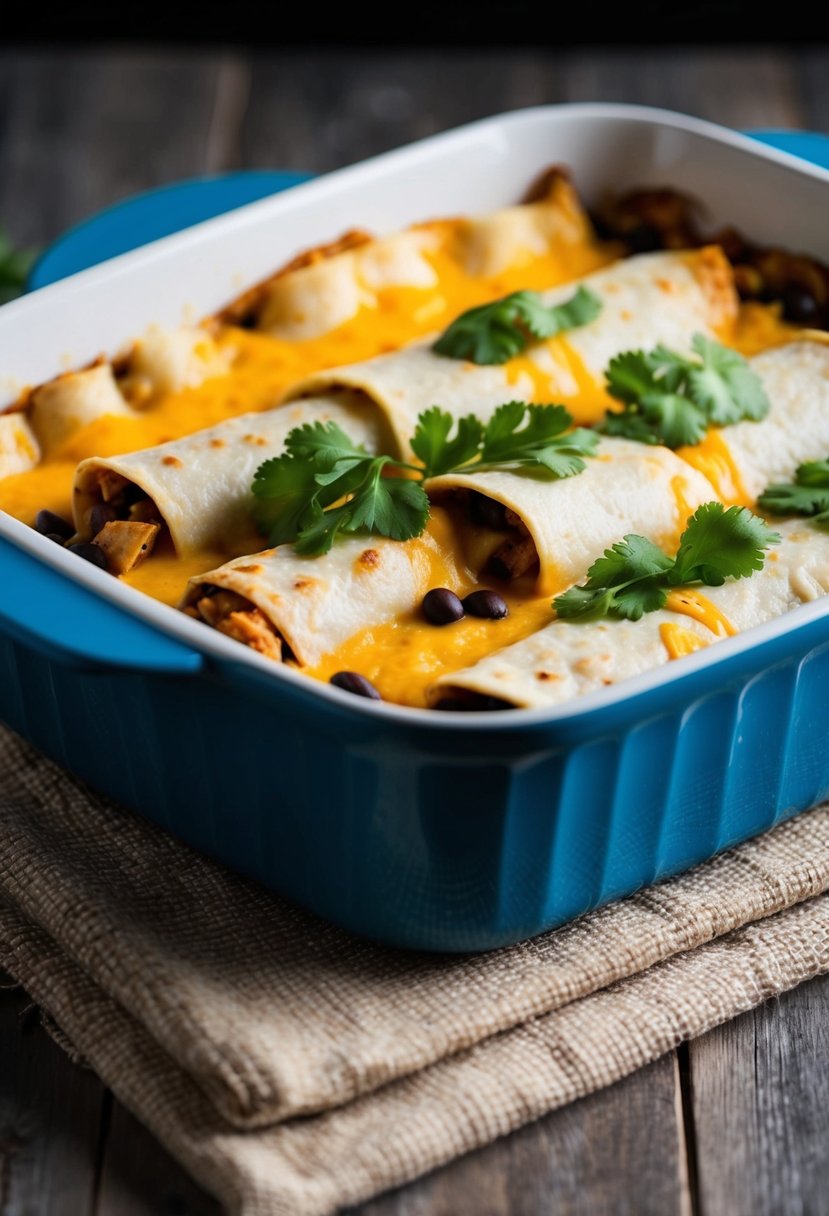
(568, 659)
(648, 299)
(316, 604)
(200, 485)
(19, 449)
(170, 360)
(628, 487)
(743, 459)
(71, 401)
(331, 285)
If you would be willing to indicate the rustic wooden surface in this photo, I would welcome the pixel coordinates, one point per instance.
(732, 1124)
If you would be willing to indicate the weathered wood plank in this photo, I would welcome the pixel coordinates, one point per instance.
(760, 1089)
(321, 110)
(739, 88)
(139, 1178)
(50, 1119)
(614, 1153)
(80, 131)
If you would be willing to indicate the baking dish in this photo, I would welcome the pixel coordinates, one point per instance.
(458, 833)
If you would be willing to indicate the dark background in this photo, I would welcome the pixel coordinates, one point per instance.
(533, 25)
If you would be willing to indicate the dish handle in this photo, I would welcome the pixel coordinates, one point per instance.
(67, 623)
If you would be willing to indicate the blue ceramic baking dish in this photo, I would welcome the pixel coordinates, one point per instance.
(439, 832)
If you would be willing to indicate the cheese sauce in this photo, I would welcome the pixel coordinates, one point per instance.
(402, 658)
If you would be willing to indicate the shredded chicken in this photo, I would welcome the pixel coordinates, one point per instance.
(236, 617)
(126, 543)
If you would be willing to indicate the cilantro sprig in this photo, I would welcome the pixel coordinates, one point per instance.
(15, 265)
(672, 400)
(517, 436)
(807, 495)
(496, 332)
(634, 576)
(325, 485)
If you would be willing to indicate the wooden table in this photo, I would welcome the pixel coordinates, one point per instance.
(734, 1123)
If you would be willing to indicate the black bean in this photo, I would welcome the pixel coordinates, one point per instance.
(441, 606)
(643, 239)
(350, 681)
(59, 540)
(102, 513)
(487, 604)
(51, 524)
(487, 511)
(90, 553)
(799, 305)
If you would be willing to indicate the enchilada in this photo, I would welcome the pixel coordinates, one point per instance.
(360, 606)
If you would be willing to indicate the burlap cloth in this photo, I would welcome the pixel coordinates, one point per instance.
(293, 1069)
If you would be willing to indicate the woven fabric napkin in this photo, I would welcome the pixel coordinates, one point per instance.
(293, 1069)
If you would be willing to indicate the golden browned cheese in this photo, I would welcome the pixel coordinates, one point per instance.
(465, 269)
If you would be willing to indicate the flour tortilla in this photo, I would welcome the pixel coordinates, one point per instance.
(796, 428)
(648, 299)
(201, 484)
(62, 406)
(567, 659)
(19, 449)
(317, 603)
(628, 487)
(313, 299)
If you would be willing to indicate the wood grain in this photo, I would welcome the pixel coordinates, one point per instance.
(760, 1092)
(614, 1153)
(50, 1119)
(138, 1178)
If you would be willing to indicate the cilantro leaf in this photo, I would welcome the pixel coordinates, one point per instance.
(283, 490)
(323, 442)
(718, 544)
(432, 445)
(542, 441)
(624, 582)
(504, 441)
(725, 387)
(670, 399)
(809, 495)
(325, 485)
(547, 320)
(320, 529)
(390, 506)
(634, 575)
(493, 333)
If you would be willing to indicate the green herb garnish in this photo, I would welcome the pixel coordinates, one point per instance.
(496, 332)
(672, 400)
(325, 484)
(14, 267)
(543, 442)
(808, 495)
(634, 576)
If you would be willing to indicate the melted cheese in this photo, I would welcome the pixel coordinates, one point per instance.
(694, 604)
(557, 373)
(406, 656)
(713, 458)
(679, 641)
(264, 367)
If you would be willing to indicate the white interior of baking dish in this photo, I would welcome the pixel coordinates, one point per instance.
(772, 197)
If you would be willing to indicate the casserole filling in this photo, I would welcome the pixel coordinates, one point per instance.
(147, 463)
